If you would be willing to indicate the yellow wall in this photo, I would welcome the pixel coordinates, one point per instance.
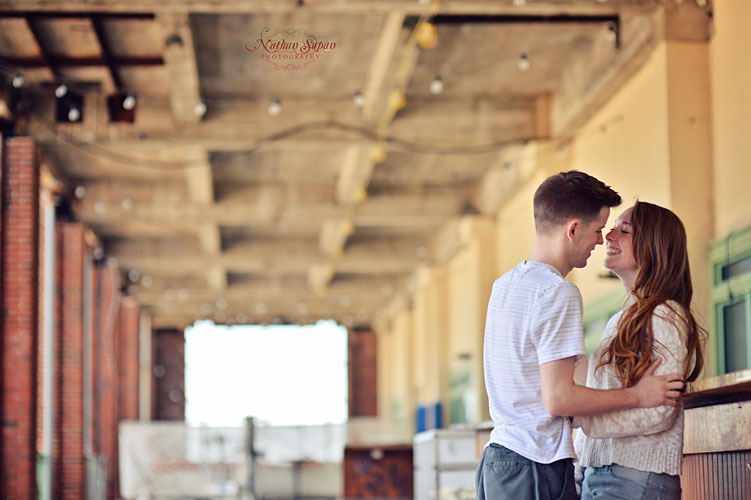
(625, 145)
(677, 134)
(430, 305)
(471, 273)
(402, 380)
(731, 114)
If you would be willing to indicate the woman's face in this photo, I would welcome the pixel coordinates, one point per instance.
(620, 253)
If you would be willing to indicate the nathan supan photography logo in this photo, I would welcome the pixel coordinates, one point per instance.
(290, 48)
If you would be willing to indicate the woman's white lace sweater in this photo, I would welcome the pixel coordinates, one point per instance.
(647, 439)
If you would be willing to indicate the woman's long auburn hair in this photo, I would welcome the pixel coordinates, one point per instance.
(659, 246)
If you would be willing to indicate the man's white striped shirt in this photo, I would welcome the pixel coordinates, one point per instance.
(534, 317)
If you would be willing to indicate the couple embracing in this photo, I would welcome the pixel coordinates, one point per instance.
(625, 398)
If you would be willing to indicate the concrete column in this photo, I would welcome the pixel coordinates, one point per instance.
(690, 146)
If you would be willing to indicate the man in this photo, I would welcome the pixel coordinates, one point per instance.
(533, 338)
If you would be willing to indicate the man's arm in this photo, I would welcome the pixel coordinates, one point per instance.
(562, 397)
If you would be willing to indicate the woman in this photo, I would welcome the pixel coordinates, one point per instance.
(636, 454)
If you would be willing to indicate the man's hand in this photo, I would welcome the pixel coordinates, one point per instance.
(658, 390)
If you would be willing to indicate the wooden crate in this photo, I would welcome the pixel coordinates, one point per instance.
(382, 472)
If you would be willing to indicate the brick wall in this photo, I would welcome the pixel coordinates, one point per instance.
(127, 332)
(19, 287)
(168, 374)
(363, 393)
(106, 297)
(68, 451)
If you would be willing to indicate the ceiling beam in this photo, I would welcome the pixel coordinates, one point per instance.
(600, 71)
(180, 55)
(44, 57)
(82, 62)
(244, 125)
(334, 234)
(364, 262)
(101, 36)
(399, 210)
(384, 56)
(362, 290)
(200, 180)
(538, 7)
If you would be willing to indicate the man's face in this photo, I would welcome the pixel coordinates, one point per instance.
(587, 236)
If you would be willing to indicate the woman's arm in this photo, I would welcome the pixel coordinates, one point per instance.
(580, 371)
(670, 345)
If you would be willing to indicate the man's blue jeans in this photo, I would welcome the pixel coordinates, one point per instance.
(505, 475)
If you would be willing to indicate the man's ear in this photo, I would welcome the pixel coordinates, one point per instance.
(571, 228)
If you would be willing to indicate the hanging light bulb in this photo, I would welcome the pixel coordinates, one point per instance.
(275, 107)
(378, 154)
(17, 81)
(397, 100)
(436, 85)
(427, 35)
(358, 99)
(74, 114)
(523, 63)
(200, 109)
(61, 90)
(129, 102)
(611, 34)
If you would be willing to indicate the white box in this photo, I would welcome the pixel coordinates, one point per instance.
(444, 460)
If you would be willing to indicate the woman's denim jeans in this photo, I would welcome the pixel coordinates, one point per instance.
(624, 483)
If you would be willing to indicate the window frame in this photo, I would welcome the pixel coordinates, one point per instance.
(735, 247)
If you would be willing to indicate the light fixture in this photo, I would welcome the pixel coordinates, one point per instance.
(80, 191)
(611, 33)
(74, 114)
(378, 154)
(200, 109)
(69, 108)
(397, 100)
(519, 3)
(436, 85)
(127, 203)
(523, 62)
(122, 107)
(61, 91)
(17, 81)
(129, 101)
(275, 107)
(427, 35)
(358, 99)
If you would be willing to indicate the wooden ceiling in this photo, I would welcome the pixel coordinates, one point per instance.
(325, 209)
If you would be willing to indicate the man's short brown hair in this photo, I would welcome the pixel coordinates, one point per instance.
(571, 195)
